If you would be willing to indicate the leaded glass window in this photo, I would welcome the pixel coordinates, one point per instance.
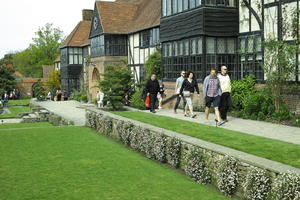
(175, 46)
(75, 56)
(192, 4)
(199, 44)
(169, 7)
(194, 46)
(164, 8)
(210, 45)
(231, 46)
(198, 2)
(175, 7)
(250, 44)
(185, 4)
(186, 47)
(180, 5)
(221, 45)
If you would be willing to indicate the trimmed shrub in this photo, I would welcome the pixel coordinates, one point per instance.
(287, 187)
(227, 176)
(173, 151)
(124, 130)
(159, 147)
(136, 100)
(195, 167)
(104, 125)
(257, 184)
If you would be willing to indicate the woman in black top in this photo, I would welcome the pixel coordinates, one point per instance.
(187, 90)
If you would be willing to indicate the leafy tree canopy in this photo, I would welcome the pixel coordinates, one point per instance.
(42, 51)
(7, 80)
(154, 65)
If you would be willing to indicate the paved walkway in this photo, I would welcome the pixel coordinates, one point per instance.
(74, 111)
(259, 128)
(70, 110)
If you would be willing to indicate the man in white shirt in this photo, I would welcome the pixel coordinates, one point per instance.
(225, 84)
(178, 85)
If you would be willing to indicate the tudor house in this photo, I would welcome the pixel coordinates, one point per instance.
(192, 34)
(121, 31)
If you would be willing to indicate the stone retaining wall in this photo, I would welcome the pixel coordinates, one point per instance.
(232, 172)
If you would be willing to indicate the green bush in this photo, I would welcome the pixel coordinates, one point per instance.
(136, 100)
(116, 82)
(282, 114)
(258, 105)
(241, 90)
(84, 98)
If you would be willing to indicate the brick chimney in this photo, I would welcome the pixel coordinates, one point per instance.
(87, 15)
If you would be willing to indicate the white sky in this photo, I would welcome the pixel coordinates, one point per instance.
(20, 19)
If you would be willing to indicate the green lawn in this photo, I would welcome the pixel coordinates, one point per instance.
(25, 125)
(283, 152)
(19, 102)
(15, 111)
(75, 163)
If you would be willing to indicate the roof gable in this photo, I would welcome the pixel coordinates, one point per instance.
(126, 16)
(79, 37)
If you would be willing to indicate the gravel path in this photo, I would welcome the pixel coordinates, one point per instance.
(66, 109)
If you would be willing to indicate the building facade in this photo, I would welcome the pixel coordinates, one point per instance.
(72, 53)
(194, 35)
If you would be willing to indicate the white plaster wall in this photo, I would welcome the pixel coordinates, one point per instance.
(271, 22)
(244, 19)
(287, 18)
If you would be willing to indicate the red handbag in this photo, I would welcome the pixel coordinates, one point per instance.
(147, 102)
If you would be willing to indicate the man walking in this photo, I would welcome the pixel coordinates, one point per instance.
(178, 85)
(152, 89)
(226, 90)
(212, 94)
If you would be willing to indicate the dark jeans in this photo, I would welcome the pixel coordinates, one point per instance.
(224, 105)
(153, 99)
(178, 102)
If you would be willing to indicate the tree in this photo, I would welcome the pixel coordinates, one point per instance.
(42, 51)
(116, 82)
(7, 80)
(53, 82)
(39, 91)
(279, 67)
(154, 65)
(7, 59)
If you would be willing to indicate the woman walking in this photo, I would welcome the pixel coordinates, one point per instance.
(187, 91)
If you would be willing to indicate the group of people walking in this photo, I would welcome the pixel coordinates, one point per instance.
(216, 93)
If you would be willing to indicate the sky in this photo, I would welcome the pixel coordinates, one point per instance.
(20, 19)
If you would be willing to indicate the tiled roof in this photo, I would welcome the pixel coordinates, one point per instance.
(79, 36)
(126, 16)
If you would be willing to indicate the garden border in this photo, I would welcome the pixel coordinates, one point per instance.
(203, 161)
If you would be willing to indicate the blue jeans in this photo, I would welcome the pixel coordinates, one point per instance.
(178, 102)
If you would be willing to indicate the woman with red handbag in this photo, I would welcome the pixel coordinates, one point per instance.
(152, 88)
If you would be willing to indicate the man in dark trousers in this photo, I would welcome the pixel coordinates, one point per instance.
(152, 89)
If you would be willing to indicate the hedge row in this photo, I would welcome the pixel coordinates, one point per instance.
(226, 173)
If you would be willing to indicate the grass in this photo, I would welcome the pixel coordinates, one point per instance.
(15, 111)
(75, 163)
(276, 150)
(19, 102)
(25, 125)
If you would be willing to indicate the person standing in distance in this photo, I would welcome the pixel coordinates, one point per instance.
(226, 90)
(152, 89)
(178, 85)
